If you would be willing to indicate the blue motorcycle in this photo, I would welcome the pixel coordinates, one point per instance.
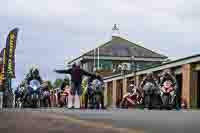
(34, 93)
(96, 88)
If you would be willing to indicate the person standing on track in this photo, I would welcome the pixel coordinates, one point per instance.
(76, 80)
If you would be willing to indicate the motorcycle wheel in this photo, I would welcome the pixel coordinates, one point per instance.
(123, 104)
(97, 101)
(62, 101)
(18, 104)
(46, 103)
(61, 105)
(126, 104)
(91, 102)
(166, 99)
(36, 103)
(147, 102)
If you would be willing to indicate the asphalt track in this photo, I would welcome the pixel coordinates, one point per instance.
(111, 121)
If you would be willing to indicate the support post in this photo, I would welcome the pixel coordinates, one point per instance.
(106, 94)
(114, 99)
(125, 86)
(189, 91)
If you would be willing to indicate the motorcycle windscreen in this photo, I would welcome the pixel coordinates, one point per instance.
(148, 86)
(96, 84)
(34, 84)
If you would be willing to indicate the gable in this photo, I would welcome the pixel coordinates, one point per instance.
(119, 47)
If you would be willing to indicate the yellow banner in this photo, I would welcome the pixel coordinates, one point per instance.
(10, 53)
(2, 72)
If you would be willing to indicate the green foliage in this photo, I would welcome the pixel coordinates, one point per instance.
(50, 86)
(57, 83)
(66, 80)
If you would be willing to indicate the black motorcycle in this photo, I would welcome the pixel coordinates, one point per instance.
(168, 95)
(45, 99)
(18, 99)
(95, 94)
(151, 96)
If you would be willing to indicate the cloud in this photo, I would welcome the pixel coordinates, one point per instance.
(52, 30)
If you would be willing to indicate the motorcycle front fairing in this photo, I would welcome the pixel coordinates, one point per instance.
(167, 87)
(95, 91)
(34, 87)
(168, 90)
(149, 88)
(97, 86)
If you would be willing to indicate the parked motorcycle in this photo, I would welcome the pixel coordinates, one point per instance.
(45, 98)
(63, 99)
(168, 95)
(95, 90)
(18, 98)
(151, 95)
(34, 93)
(18, 102)
(132, 98)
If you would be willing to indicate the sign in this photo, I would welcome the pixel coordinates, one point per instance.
(2, 63)
(10, 53)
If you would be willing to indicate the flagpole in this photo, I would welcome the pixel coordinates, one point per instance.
(94, 60)
(98, 58)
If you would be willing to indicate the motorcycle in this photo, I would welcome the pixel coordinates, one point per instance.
(18, 99)
(34, 93)
(63, 100)
(45, 98)
(168, 95)
(151, 96)
(18, 102)
(95, 94)
(131, 99)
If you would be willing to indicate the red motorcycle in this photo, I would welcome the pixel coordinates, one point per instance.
(63, 100)
(132, 99)
(168, 95)
(46, 101)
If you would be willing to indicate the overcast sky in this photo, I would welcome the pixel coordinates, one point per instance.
(51, 30)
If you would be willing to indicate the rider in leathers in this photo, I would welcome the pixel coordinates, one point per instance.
(62, 88)
(167, 75)
(149, 78)
(90, 91)
(45, 88)
(33, 74)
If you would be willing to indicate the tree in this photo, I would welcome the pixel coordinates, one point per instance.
(67, 80)
(57, 83)
(50, 84)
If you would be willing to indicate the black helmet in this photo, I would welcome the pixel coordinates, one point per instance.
(166, 72)
(73, 65)
(35, 72)
(150, 74)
